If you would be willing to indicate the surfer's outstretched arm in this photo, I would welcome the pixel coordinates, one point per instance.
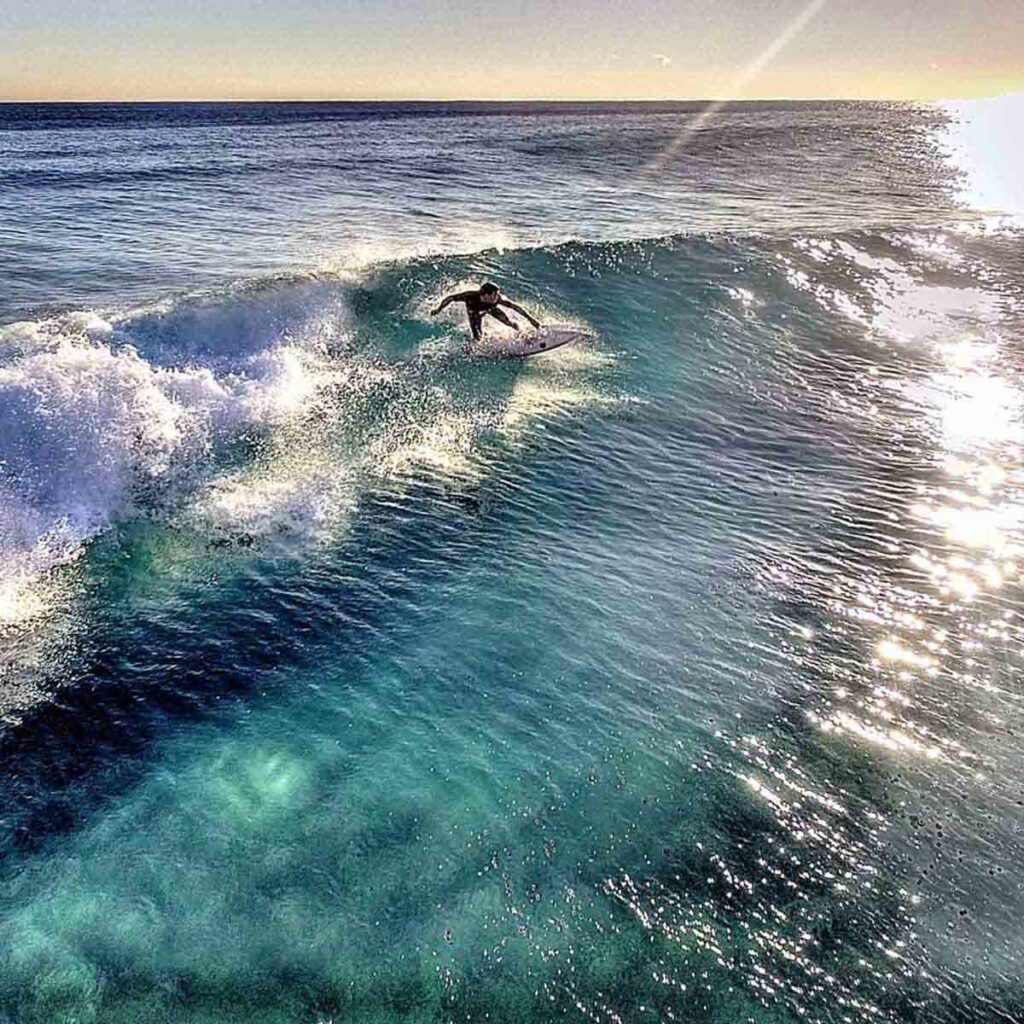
(519, 309)
(448, 299)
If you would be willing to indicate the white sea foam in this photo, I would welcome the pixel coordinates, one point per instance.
(91, 431)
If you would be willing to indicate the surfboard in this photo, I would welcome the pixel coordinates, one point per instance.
(537, 342)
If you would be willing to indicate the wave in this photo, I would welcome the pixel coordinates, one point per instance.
(213, 410)
(215, 404)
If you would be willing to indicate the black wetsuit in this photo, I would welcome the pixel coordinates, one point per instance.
(478, 309)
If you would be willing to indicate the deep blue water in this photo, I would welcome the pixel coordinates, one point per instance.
(352, 676)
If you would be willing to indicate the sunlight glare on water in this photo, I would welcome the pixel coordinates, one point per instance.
(983, 139)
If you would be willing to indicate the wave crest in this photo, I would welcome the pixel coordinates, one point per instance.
(91, 431)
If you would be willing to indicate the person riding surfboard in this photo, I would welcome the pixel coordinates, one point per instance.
(485, 301)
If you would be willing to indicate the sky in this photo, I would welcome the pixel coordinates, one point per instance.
(518, 49)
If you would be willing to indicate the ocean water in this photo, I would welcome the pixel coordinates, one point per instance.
(351, 676)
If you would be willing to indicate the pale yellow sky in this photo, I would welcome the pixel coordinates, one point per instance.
(602, 49)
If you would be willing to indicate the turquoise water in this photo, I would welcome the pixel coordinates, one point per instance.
(350, 677)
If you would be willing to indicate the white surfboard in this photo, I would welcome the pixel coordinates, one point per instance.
(544, 339)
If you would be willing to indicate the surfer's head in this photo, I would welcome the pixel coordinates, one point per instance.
(489, 292)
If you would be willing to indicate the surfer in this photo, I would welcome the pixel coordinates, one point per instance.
(484, 301)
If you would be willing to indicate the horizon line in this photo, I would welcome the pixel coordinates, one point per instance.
(471, 99)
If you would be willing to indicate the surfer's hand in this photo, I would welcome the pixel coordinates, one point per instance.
(434, 312)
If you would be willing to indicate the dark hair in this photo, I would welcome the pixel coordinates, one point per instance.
(488, 289)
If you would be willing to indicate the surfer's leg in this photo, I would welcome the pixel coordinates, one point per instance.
(475, 321)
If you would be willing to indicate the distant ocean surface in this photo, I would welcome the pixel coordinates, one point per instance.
(349, 676)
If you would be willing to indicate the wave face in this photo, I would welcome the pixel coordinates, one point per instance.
(347, 674)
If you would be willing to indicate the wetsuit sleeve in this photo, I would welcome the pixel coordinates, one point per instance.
(501, 315)
(520, 310)
(456, 297)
